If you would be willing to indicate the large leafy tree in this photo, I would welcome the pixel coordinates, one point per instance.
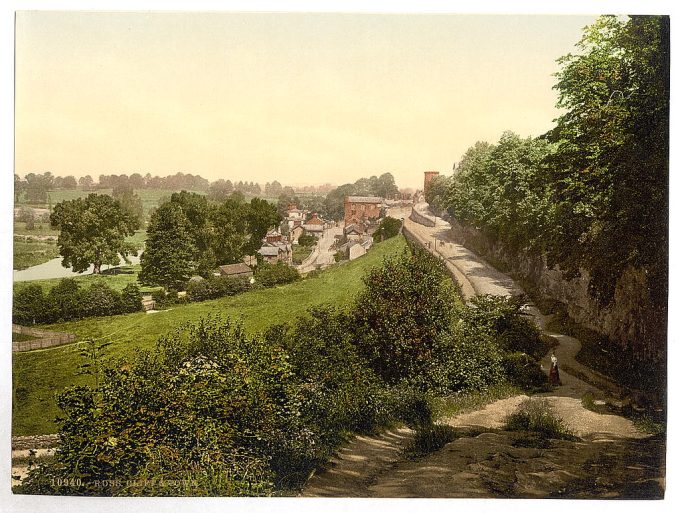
(501, 189)
(261, 215)
(611, 165)
(93, 231)
(168, 259)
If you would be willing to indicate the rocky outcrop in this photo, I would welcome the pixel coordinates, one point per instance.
(630, 321)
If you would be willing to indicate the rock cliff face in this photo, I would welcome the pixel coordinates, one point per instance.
(630, 321)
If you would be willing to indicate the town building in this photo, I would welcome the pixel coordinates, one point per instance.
(295, 233)
(362, 209)
(277, 252)
(239, 270)
(354, 231)
(315, 226)
(294, 217)
(273, 236)
(429, 175)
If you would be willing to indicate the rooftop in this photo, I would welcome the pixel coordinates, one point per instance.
(364, 199)
(268, 251)
(232, 269)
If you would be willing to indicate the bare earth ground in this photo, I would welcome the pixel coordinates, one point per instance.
(611, 459)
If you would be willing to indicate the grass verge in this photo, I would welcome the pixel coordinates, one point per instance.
(443, 407)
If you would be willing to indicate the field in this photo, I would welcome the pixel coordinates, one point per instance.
(28, 254)
(39, 375)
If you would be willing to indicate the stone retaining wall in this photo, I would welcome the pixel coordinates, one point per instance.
(421, 217)
(630, 321)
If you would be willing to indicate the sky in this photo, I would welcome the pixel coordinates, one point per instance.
(302, 98)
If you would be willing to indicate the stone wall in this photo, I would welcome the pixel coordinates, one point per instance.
(421, 216)
(630, 321)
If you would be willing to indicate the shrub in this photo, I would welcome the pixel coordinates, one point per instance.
(537, 415)
(429, 439)
(64, 300)
(215, 287)
(340, 393)
(29, 305)
(410, 405)
(525, 372)
(268, 275)
(405, 305)
(208, 402)
(131, 298)
(463, 362)
(306, 240)
(100, 299)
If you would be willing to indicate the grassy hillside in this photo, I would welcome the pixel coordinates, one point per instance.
(39, 375)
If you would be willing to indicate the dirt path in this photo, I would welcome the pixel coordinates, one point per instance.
(497, 464)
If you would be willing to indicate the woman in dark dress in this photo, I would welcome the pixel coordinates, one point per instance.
(554, 376)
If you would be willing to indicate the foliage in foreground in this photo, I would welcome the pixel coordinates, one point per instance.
(213, 411)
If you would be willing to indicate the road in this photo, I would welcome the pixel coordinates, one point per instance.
(323, 255)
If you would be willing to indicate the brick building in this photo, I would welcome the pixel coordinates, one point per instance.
(361, 209)
(429, 175)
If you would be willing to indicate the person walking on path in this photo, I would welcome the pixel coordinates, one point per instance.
(554, 376)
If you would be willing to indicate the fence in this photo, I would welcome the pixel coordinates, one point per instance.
(42, 340)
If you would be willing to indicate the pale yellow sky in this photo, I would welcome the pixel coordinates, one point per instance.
(300, 98)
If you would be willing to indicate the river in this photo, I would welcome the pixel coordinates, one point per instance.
(54, 269)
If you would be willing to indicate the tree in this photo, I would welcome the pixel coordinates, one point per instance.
(129, 201)
(19, 188)
(220, 190)
(93, 231)
(85, 182)
(261, 216)
(335, 200)
(69, 182)
(385, 187)
(389, 227)
(37, 187)
(168, 256)
(273, 190)
(610, 170)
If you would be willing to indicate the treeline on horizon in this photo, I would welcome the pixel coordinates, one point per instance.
(36, 186)
(592, 193)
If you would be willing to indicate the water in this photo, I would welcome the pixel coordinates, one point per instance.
(54, 269)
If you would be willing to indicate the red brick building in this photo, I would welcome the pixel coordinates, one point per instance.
(360, 209)
(429, 175)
